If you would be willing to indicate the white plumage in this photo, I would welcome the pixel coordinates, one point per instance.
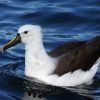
(39, 65)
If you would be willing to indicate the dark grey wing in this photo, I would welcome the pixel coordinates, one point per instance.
(65, 48)
(82, 57)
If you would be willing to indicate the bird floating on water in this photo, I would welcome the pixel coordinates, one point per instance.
(73, 63)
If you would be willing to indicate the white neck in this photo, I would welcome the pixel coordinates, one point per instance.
(36, 48)
(37, 61)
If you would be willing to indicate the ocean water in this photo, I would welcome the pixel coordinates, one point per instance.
(62, 21)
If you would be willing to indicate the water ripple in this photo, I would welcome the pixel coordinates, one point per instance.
(61, 20)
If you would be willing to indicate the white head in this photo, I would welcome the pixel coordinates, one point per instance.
(29, 33)
(26, 34)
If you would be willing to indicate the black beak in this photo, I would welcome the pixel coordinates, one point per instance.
(13, 42)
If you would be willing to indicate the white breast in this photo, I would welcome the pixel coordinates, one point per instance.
(39, 66)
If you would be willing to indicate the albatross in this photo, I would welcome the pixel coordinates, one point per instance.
(70, 64)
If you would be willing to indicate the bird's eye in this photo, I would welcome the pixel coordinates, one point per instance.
(25, 32)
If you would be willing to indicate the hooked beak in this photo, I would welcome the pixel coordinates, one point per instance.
(13, 42)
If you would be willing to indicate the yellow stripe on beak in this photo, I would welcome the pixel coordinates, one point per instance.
(13, 42)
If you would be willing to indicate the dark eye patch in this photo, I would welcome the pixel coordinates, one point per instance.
(25, 32)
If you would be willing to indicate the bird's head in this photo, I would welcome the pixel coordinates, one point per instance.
(25, 34)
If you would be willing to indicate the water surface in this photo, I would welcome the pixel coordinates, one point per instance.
(62, 21)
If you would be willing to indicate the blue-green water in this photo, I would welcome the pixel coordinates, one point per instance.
(61, 20)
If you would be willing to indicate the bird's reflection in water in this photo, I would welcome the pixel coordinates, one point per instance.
(27, 88)
(66, 96)
(27, 97)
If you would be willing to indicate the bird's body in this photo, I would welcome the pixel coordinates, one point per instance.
(45, 66)
(70, 64)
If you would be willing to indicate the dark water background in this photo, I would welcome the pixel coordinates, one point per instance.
(62, 20)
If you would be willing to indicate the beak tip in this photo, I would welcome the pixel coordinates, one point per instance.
(1, 50)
